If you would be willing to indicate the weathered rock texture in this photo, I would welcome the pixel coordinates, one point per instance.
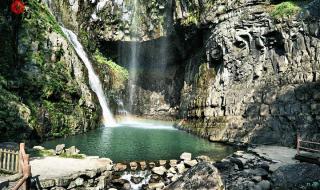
(231, 69)
(114, 20)
(259, 79)
(44, 88)
(202, 176)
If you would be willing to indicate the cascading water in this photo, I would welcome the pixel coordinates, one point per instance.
(133, 57)
(145, 175)
(94, 81)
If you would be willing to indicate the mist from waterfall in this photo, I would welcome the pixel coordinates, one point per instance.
(94, 81)
(133, 57)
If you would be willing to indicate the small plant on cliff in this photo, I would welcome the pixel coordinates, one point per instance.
(192, 19)
(285, 9)
(119, 75)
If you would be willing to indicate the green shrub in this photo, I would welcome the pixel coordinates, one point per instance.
(285, 9)
(118, 74)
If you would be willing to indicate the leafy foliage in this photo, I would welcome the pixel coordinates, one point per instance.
(119, 75)
(285, 9)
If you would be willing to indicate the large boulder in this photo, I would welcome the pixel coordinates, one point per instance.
(159, 170)
(202, 176)
(72, 151)
(295, 176)
(185, 156)
(60, 148)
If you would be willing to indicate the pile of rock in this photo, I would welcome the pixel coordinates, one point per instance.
(90, 179)
(159, 174)
(245, 170)
(61, 149)
(162, 172)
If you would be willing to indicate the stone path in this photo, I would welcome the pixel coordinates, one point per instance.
(52, 167)
(279, 155)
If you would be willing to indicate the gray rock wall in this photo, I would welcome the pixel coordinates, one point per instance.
(248, 77)
(265, 83)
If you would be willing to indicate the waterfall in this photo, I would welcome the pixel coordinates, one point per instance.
(133, 57)
(94, 81)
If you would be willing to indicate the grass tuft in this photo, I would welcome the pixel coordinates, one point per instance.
(286, 9)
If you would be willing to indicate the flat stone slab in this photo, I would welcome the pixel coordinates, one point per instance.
(53, 167)
(278, 154)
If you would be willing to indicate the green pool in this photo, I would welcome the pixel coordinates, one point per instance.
(142, 141)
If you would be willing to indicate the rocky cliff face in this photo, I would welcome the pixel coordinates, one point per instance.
(259, 81)
(238, 71)
(44, 90)
(114, 20)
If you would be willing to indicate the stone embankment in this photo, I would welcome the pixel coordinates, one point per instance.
(260, 168)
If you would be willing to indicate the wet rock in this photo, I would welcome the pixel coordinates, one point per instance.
(256, 178)
(73, 150)
(136, 180)
(90, 173)
(60, 149)
(162, 162)
(159, 170)
(63, 182)
(159, 185)
(185, 156)
(259, 172)
(175, 178)
(108, 174)
(57, 188)
(264, 165)
(126, 186)
(133, 166)
(181, 168)
(154, 178)
(202, 176)
(295, 176)
(203, 158)
(224, 165)
(79, 181)
(152, 165)
(47, 183)
(263, 185)
(173, 163)
(143, 165)
(240, 162)
(102, 183)
(190, 163)
(119, 182)
(172, 170)
(120, 167)
(76, 183)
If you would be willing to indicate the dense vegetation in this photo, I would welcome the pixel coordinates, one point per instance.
(40, 95)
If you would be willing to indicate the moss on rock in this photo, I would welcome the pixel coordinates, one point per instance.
(41, 96)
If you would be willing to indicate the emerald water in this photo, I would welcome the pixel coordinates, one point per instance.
(142, 141)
